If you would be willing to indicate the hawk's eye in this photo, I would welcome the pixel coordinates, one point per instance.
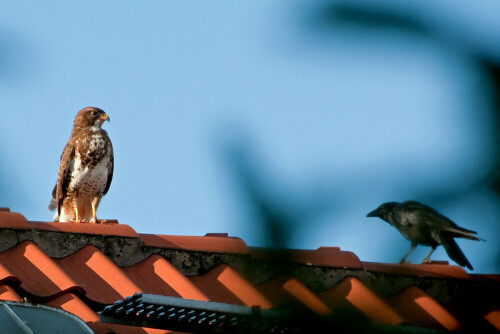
(94, 113)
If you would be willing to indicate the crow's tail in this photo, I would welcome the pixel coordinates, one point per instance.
(453, 251)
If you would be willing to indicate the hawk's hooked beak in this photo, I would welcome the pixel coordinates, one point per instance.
(104, 117)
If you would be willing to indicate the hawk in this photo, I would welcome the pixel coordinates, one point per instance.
(85, 170)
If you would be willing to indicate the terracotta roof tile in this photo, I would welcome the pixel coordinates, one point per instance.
(102, 280)
(100, 229)
(420, 270)
(226, 285)
(323, 256)
(283, 290)
(38, 273)
(351, 292)
(81, 267)
(7, 276)
(215, 244)
(8, 293)
(156, 275)
(493, 318)
(306, 296)
(420, 309)
(13, 220)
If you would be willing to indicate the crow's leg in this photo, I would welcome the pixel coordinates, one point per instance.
(412, 248)
(427, 260)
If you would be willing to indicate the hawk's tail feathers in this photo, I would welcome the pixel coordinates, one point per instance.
(53, 204)
(454, 252)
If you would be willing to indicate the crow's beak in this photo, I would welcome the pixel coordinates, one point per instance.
(104, 117)
(374, 213)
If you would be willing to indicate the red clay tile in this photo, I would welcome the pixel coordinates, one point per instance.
(71, 303)
(221, 235)
(223, 284)
(286, 291)
(156, 275)
(38, 273)
(211, 244)
(420, 270)
(119, 230)
(323, 256)
(102, 280)
(351, 292)
(485, 277)
(306, 296)
(493, 318)
(7, 293)
(420, 309)
(329, 257)
(13, 220)
(7, 275)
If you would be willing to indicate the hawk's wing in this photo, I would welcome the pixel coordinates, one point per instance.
(111, 163)
(63, 177)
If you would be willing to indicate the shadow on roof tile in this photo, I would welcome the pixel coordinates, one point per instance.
(287, 292)
(351, 292)
(420, 270)
(103, 281)
(224, 284)
(156, 275)
(323, 256)
(420, 309)
(38, 273)
(493, 318)
(213, 285)
(209, 243)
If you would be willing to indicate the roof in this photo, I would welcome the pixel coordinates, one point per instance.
(81, 268)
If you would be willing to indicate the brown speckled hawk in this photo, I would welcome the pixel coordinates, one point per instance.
(86, 169)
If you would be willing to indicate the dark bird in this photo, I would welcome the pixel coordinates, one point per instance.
(85, 170)
(423, 225)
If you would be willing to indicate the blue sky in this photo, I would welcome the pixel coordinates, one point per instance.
(365, 117)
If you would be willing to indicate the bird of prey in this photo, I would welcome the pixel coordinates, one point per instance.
(423, 225)
(85, 170)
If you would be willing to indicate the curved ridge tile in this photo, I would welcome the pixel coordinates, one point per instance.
(350, 291)
(156, 275)
(7, 293)
(420, 270)
(103, 280)
(7, 275)
(223, 284)
(119, 230)
(71, 303)
(306, 296)
(13, 220)
(213, 244)
(420, 309)
(38, 273)
(328, 257)
(223, 280)
(284, 290)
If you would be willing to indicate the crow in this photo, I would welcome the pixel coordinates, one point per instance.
(423, 225)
